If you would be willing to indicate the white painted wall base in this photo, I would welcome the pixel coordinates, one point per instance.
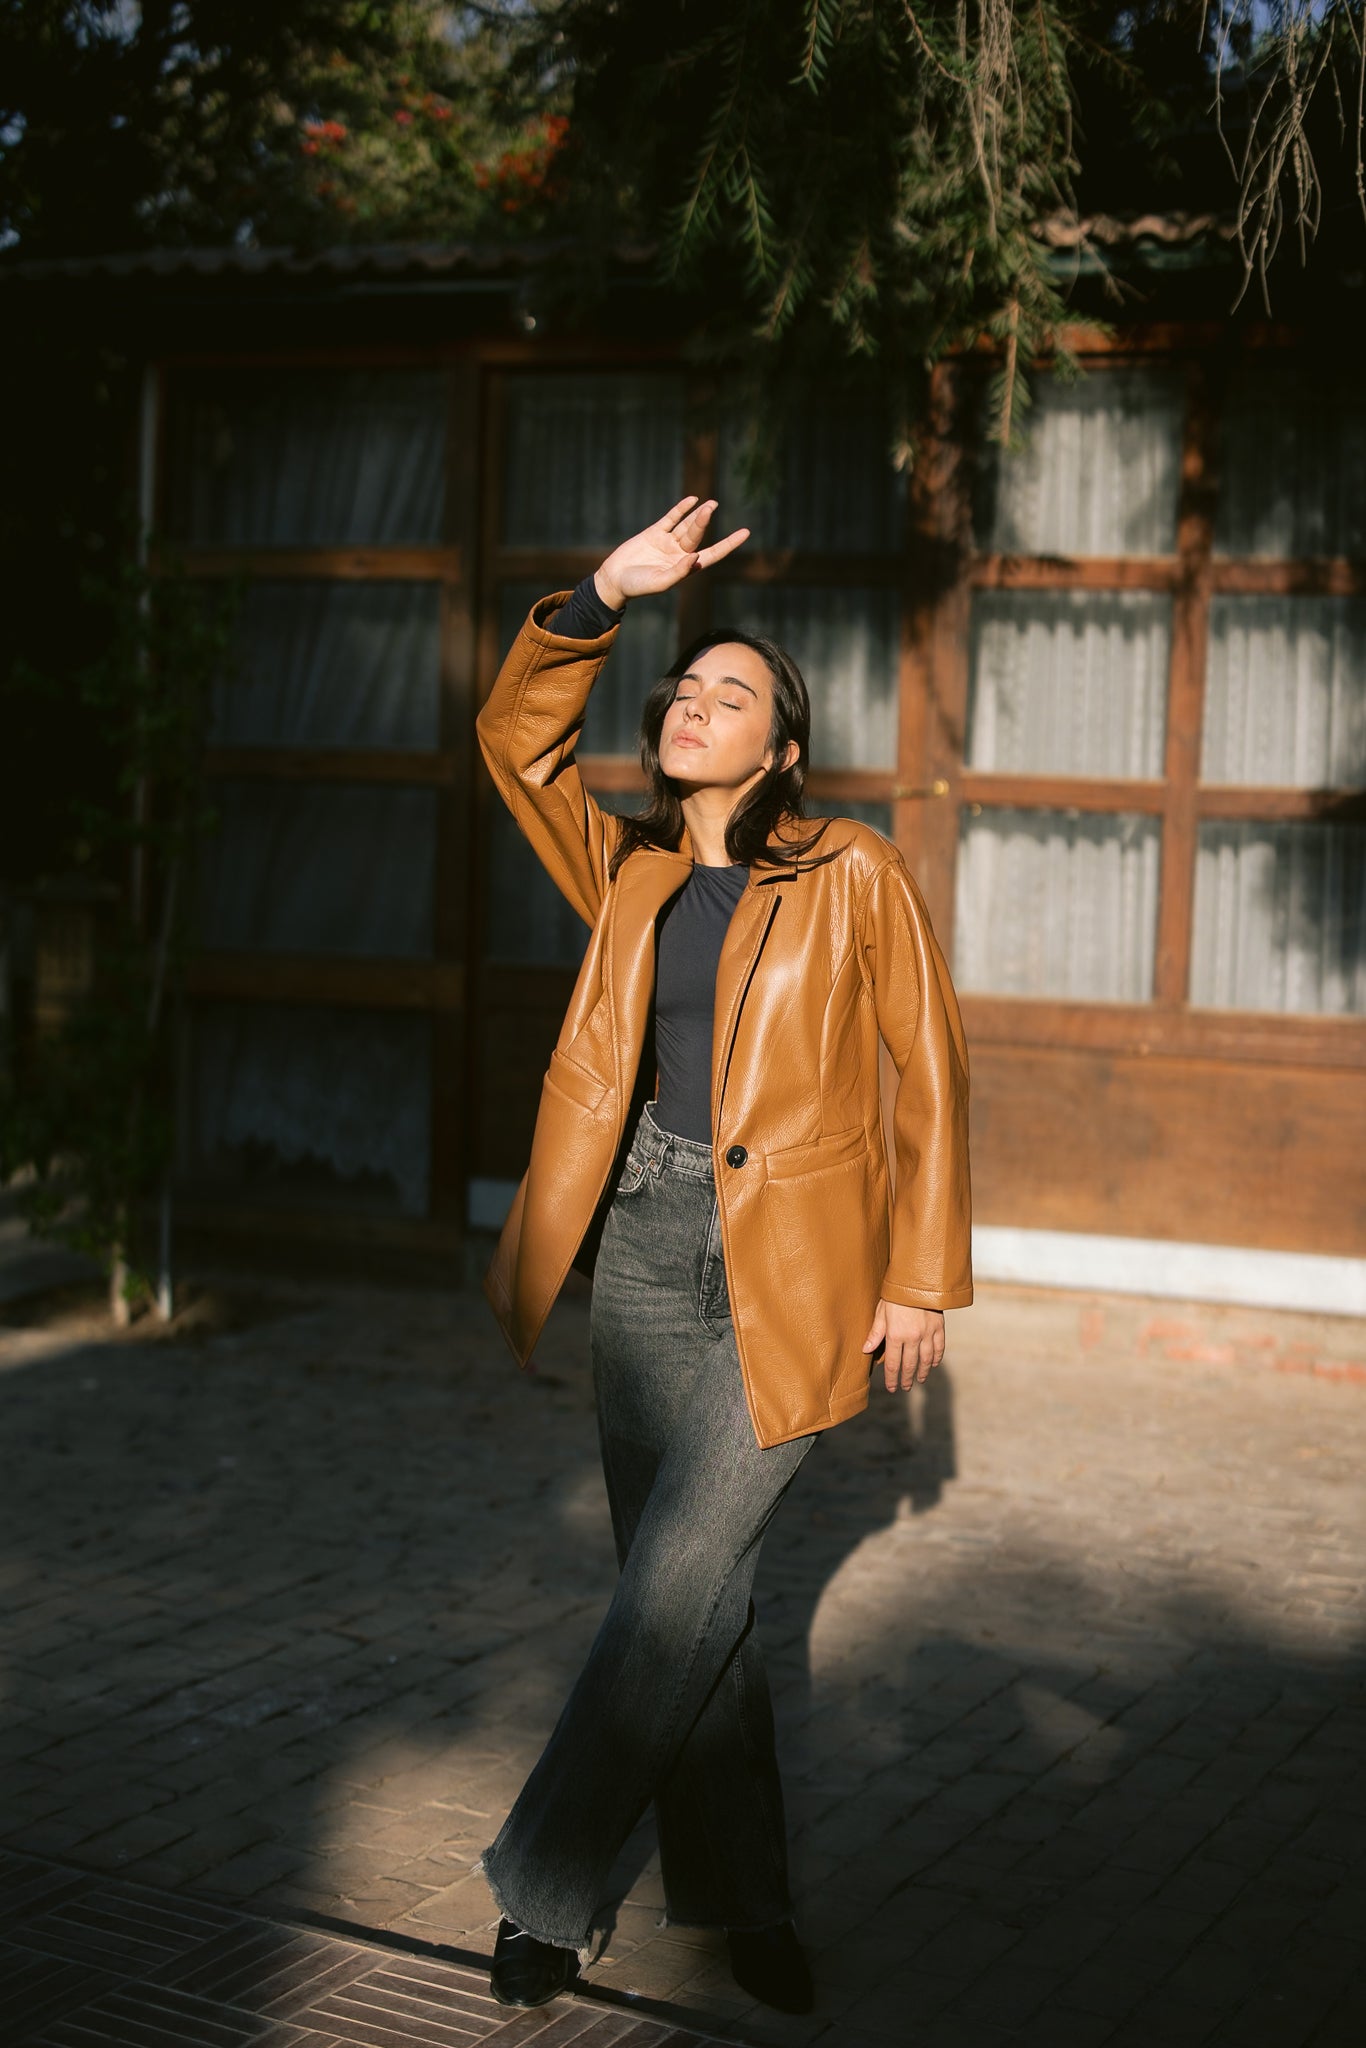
(1114, 1265)
(1180, 1272)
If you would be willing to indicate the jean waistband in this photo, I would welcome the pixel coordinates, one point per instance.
(666, 1152)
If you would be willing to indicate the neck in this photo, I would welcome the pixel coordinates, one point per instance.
(706, 813)
(705, 816)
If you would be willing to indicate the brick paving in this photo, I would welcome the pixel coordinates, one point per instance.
(97, 1962)
(1069, 1654)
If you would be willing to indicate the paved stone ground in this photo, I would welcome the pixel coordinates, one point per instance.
(1069, 1653)
(89, 1961)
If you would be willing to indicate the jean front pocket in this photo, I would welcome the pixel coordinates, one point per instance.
(632, 1176)
(713, 1297)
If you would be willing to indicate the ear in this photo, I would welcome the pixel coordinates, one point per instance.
(791, 755)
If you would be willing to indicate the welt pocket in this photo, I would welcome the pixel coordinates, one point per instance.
(569, 1078)
(836, 1150)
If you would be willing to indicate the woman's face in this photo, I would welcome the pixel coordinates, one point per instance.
(716, 731)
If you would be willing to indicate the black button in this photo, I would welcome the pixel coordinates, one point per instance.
(736, 1156)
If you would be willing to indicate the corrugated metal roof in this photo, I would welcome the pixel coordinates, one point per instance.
(387, 260)
(1108, 231)
(394, 261)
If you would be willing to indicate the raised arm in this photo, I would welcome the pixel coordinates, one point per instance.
(529, 728)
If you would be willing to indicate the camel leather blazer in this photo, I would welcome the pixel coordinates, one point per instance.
(818, 966)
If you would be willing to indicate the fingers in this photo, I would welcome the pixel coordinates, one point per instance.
(674, 516)
(684, 524)
(691, 527)
(921, 1359)
(908, 1364)
(720, 548)
(878, 1331)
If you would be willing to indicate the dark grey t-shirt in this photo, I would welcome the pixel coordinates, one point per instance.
(689, 935)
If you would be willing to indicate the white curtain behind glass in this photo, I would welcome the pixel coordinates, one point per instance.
(333, 665)
(845, 644)
(1285, 696)
(1293, 464)
(1099, 472)
(590, 459)
(274, 458)
(529, 922)
(278, 458)
(320, 868)
(347, 1090)
(1054, 904)
(1069, 682)
(834, 489)
(1280, 918)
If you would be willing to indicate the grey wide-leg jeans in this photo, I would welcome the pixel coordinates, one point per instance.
(673, 1702)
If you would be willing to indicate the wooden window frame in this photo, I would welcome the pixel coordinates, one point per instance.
(1192, 576)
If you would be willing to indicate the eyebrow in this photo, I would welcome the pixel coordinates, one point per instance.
(693, 677)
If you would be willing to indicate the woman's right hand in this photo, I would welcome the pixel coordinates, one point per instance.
(663, 554)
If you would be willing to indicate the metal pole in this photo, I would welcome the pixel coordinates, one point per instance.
(148, 424)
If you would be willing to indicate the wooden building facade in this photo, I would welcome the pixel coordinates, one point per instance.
(1108, 694)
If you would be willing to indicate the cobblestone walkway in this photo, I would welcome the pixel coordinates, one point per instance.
(1069, 1654)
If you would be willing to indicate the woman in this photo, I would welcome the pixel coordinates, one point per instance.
(711, 1124)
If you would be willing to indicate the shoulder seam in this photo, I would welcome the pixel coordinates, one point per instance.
(894, 859)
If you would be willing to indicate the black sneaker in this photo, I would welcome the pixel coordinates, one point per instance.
(529, 1972)
(770, 1963)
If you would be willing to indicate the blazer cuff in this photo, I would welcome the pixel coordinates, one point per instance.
(927, 1297)
(546, 636)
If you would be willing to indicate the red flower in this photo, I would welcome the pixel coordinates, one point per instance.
(404, 118)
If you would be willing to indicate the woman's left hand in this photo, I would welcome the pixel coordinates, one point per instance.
(914, 1338)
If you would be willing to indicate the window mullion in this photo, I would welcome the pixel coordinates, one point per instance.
(1186, 686)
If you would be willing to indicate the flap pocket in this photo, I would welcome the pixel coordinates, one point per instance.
(569, 1078)
(833, 1151)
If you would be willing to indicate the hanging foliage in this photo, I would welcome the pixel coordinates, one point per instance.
(860, 185)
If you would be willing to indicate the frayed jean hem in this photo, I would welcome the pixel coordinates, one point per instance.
(584, 1949)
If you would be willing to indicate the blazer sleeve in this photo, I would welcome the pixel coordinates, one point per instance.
(930, 1265)
(528, 730)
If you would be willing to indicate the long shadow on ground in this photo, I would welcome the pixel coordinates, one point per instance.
(288, 1613)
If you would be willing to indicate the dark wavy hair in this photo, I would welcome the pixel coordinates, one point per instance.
(777, 796)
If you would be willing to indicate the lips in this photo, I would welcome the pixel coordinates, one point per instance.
(685, 739)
